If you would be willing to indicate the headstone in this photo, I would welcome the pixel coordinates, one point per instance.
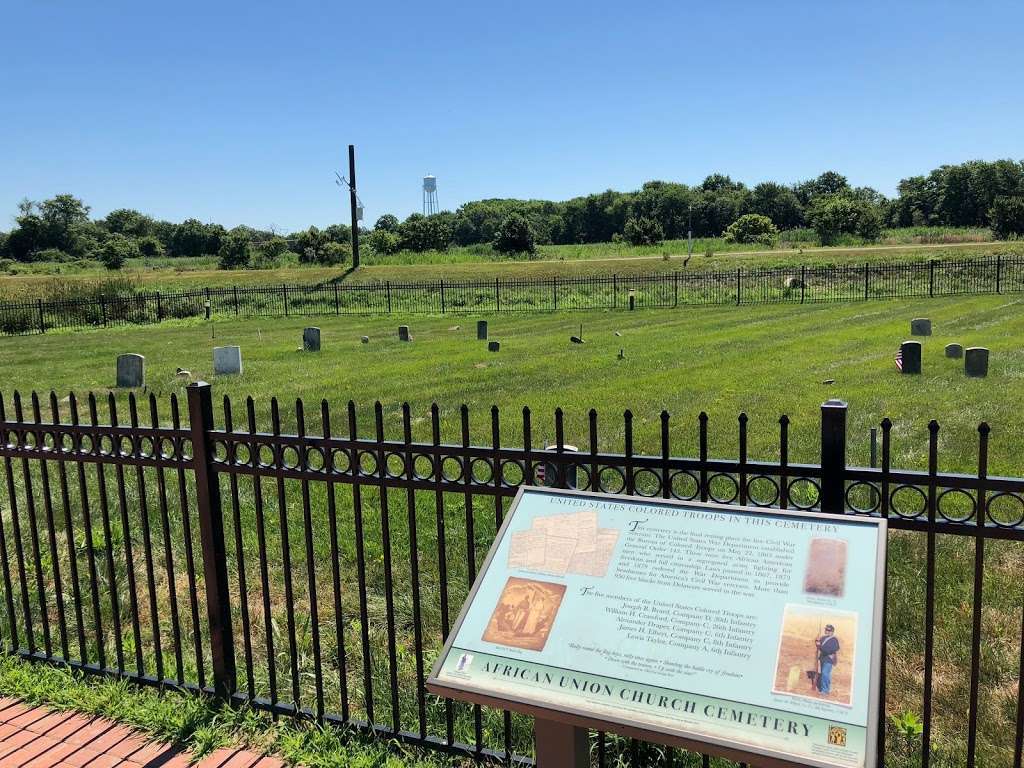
(794, 282)
(365, 339)
(920, 326)
(911, 353)
(976, 361)
(311, 339)
(227, 360)
(481, 330)
(493, 346)
(954, 350)
(403, 333)
(131, 370)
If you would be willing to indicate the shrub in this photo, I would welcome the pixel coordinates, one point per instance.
(335, 253)
(7, 265)
(117, 250)
(752, 228)
(835, 215)
(642, 230)
(151, 247)
(50, 254)
(1007, 217)
(515, 235)
(235, 252)
(383, 241)
(386, 223)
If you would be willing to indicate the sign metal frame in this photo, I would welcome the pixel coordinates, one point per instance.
(576, 717)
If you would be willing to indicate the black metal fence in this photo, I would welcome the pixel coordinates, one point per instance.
(315, 573)
(799, 285)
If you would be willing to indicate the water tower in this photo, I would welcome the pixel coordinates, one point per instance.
(429, 195)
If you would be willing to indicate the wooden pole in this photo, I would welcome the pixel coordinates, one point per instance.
(560, 745)
(352, 201)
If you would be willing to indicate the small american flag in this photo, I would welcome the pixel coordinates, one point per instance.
(899, 359)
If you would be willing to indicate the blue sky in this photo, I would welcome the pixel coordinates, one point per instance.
(240, 112)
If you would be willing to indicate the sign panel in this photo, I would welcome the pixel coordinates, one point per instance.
(753, 631)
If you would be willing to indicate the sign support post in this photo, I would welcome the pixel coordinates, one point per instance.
(560, 745)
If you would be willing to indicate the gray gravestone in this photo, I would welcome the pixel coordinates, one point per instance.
(911, 351)
(227, 360)
(976, 361)
(311, 339)
(365, 339)
(493, 346)
(920, 326)
(403, 333)
(481, 330)
(954, 350)
(131, 370)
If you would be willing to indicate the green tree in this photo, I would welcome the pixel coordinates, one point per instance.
(127, 221)
(386, 223)
(835, 215)
(190, 239)
(779, 203)
(335, 253)
(310, 244)
(642, 231)
(268, 254)
(1007, 216)
(383, 241)
(116, 251)
(150, 247)
(752, 228)
(235, 251)
(425, 233)
(515, 236)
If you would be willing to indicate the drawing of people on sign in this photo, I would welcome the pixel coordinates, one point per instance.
(525, 614)
(826, 567)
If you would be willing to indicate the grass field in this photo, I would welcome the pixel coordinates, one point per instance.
(463, 264)
(765, 361)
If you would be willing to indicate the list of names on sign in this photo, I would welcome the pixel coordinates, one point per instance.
(731, 626)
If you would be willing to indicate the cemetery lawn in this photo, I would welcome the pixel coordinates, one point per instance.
(762, 360)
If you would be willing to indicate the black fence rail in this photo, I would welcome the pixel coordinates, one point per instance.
(794, 285)
(316, 573)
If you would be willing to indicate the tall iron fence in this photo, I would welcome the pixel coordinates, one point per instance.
(315, 572)
(795, 285)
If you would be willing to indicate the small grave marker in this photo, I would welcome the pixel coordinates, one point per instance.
(403, 333)
(920, 326)
(365, 340)
(227, 360)
(954, 350)
(911, 355)
(493, 346)
(976, 362)
(131, 370)
(311, 339)
(481, 330)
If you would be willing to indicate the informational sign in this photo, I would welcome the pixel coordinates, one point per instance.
(729, 629)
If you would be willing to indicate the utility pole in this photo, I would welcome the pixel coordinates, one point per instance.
(689, 230)
(352, 199)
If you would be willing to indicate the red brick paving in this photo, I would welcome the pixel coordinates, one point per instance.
(35, 737)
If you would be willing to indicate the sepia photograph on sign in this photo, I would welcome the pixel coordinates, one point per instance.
(826, 567)
(525, 614)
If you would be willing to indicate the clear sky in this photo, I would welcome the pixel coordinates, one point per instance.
(240, 112)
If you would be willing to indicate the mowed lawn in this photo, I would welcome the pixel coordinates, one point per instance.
(765, 361)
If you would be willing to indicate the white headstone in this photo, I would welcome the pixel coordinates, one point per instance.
(227, 360)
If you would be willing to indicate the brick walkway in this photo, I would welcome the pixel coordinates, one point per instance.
(35, 737)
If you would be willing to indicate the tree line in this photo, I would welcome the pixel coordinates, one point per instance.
(972, 194)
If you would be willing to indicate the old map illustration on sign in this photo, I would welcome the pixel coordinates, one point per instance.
(563, 544)
(525, 613)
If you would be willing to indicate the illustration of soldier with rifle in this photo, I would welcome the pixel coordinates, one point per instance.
(827, 656)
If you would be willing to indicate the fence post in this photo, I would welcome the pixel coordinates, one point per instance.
(737, 286)
(387, 290)
(234, 293)
(999, 269)
(803, 282)
(675, 289)
(931, 279)
(159, 308)
(554, 292)
(615, 291)
(833, 456)
(337, 307)
(284, 295)
(442, 296)
(42, 325)
(497, 296)
(103, 308)
(866, 274)
(211, 535)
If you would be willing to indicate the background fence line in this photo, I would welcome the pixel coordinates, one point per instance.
(767, 285)
(315, 574)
